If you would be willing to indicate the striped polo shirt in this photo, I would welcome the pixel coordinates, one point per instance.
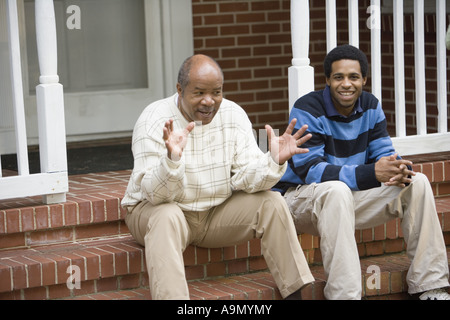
(341, 148)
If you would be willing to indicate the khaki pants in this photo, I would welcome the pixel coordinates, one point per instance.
(333, 212)
(165, 231)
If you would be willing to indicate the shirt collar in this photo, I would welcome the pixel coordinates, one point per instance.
(330, 108)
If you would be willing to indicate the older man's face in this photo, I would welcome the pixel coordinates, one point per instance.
(201, 98)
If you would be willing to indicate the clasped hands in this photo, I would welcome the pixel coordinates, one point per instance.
(281, 148)
(393, 172)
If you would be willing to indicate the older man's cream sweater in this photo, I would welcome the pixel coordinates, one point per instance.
(219, 158)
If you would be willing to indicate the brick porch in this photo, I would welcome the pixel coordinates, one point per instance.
(38, 242)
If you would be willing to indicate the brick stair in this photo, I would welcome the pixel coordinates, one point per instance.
(39, 242)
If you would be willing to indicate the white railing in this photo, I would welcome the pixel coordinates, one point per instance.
(301, 74)
(52, 182)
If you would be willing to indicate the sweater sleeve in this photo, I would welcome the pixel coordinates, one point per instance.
(252, 169)
(155, 177)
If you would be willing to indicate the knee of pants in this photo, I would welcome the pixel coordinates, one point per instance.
(166, 221)
(273, 197)
(334, 199)
(171, 217)
(272, 201)
(268, 202)
(272, 212)
(335, 191)
(420, 180)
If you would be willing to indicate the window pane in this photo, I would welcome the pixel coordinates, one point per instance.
(108, 52)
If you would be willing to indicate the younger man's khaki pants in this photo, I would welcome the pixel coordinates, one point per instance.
(333, 212)
(165, 231)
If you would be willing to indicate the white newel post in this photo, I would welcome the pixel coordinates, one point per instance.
(50, 98)
(301, 74)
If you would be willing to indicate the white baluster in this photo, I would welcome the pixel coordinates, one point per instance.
(46, 41)
(353, 23)
(331, 25)
(301, 74)
(17, 87)
(441, 64)
(375, 33)
(50, 98)
(419, 55)
(399, 69)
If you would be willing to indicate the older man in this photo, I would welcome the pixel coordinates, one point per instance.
(200, 178)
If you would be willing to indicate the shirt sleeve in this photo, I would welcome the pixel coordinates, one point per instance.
(156, 177)
(252, 169)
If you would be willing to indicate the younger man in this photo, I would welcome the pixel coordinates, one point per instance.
(352, 178)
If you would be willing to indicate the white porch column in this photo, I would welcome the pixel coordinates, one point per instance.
(50, 98)
(301, 74)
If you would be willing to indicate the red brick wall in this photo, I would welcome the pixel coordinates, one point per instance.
(251, 40)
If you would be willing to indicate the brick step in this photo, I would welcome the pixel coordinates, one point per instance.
(254, 286)
(261, 286)
(438, 173)
(42, 272)
(247, 289)
(109, 264)
(33, 235)
(118, 264)
(93, 211)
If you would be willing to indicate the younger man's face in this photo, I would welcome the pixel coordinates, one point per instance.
(346, 85)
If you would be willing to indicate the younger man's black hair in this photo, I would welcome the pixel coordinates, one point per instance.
(346, 52)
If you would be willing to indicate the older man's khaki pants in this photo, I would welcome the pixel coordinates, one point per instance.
(165, 231)
(333, 212)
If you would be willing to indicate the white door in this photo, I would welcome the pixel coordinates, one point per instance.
(114, 58)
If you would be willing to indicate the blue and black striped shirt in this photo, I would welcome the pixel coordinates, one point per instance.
(341, 148)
